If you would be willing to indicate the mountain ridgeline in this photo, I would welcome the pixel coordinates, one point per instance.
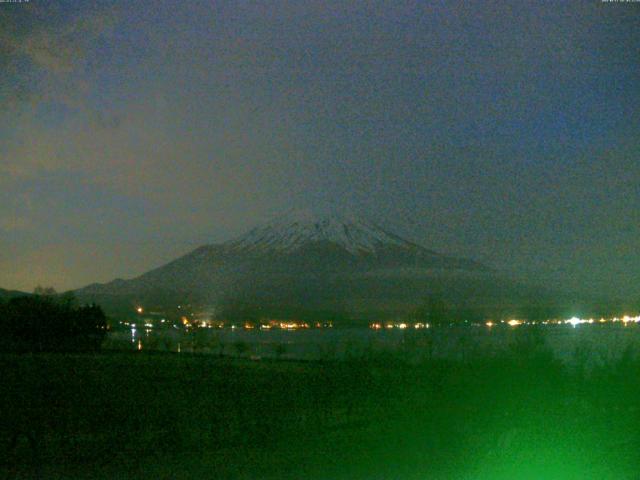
(332, 267)
(8, 294)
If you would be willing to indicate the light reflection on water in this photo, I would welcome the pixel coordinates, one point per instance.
(599, 344)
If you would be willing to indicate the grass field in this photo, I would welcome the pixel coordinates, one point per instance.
(175, 416)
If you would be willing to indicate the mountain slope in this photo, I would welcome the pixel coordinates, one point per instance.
(7, 294)
(328, 262)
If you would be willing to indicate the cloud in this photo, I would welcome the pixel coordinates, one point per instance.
(16, 208)
(43, 52)
(56, 44)
(13, 223)
(43, 78)
(197, 120)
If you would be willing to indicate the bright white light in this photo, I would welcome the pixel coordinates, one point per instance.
(139, 310)
(514, 322)
(573, 321)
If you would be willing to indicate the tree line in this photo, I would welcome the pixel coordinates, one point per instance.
(46, 321)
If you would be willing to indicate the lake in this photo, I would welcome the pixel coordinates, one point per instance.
(593, 344)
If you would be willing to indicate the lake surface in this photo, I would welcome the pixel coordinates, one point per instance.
(593, 344)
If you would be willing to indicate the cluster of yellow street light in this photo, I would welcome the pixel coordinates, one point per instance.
(295, 325)
(574, 321)
(273, 324)
(514, 322)
(401, 326)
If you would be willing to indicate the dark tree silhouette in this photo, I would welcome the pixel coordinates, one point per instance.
(51, 323)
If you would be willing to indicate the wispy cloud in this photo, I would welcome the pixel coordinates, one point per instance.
(15, 211)
(14, 223)
(42, 54)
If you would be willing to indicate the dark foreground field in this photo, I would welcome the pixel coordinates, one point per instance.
(172, 416)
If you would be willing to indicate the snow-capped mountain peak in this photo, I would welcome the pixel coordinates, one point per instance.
(292, 231)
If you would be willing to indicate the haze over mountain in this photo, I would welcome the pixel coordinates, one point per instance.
(508, 134)
(319, 260)
(339, 265)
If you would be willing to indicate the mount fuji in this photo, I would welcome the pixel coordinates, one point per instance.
(293, 231)
(300, 260)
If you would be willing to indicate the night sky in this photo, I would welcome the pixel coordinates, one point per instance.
(132, 132)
